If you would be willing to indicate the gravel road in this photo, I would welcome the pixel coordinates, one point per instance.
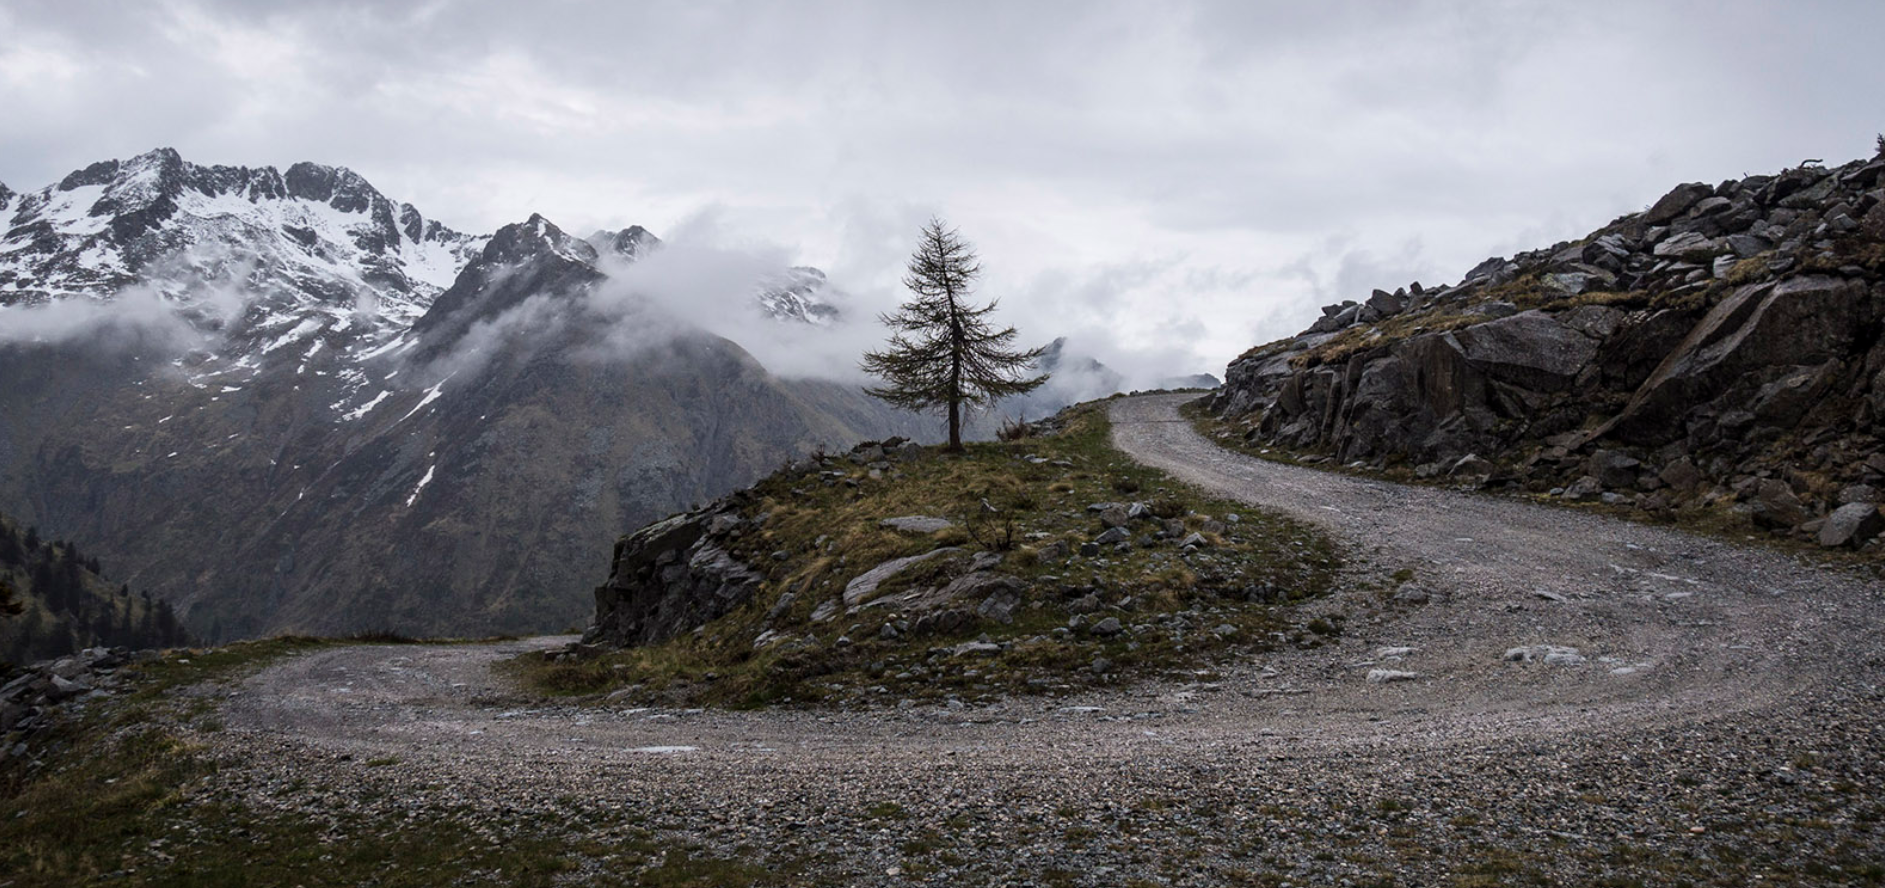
(1719, 720)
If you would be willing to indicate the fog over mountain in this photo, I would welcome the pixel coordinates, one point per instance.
(1168, 182)
(373, 397)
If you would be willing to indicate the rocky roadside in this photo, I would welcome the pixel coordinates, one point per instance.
(44, 694)
(1715, 358)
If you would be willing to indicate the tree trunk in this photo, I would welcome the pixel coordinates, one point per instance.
(955, 377)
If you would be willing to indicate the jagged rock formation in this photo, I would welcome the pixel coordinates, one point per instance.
(1720, 349)
(671, 576)
(317, 231)
(681, 572)
(286, 402)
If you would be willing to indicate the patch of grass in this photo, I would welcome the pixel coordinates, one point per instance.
(824, 525)
(887, 811)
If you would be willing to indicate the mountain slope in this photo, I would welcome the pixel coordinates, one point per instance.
(383, 425)
(67, 604)
(1719, 353)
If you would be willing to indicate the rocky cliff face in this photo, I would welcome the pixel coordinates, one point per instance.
(1721, 350)
(288, 403)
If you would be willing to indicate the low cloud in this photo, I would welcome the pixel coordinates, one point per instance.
(702, 280)
(204, 292)
(134, 320)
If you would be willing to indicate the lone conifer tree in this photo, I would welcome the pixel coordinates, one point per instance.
(942, 351)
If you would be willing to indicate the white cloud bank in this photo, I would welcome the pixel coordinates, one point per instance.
(1173, 181)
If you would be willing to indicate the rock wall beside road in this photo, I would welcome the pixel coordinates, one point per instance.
(1721, 349)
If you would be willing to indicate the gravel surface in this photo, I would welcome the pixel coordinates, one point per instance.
(1577, 699)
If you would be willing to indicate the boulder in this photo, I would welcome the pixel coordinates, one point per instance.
(1681, 475)
(1113, 535)
(1569, 283)
(916, 524)
(1612, 468)
(1340, 320)
(63, 687)
(1583, 489)
(1488, 271)
(1851, 525)
(1386, 304)
(1760, 327)
(1115, 515)
(945, 622)
(1786, 400)
(1690, 246)
(1747, 246)
(1676, 202)
(1776, 506)
(1471, 469)
(1000, 605)
(1531, 350)
(864, 586)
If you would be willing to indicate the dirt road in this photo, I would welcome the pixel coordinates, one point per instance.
(1703, 677)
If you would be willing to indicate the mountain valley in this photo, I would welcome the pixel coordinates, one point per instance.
(286, 403)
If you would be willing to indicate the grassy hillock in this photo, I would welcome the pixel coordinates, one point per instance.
(1200, 580)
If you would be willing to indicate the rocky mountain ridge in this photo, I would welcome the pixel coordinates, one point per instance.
(372, 397)
(1719, 351)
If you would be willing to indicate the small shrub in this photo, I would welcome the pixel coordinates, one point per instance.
(1125, 485)
(1167, 507)
(382, 636)
(1014, 428)
(992, 530)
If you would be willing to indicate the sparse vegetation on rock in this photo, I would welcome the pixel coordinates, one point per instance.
(811, 585)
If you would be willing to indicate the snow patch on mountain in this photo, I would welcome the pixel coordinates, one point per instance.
(797, 294)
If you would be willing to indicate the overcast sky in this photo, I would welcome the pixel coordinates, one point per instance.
(1167, 182)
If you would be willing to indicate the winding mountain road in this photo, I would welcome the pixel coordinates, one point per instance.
(1701, 670)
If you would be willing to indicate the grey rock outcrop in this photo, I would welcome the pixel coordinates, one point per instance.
(45, 693)
(669, 577)
(1728, 336)
(917, 524)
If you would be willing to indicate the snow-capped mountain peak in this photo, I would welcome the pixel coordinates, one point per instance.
(797, 294)
(630, 243)
(523, 240)
(323, 232)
